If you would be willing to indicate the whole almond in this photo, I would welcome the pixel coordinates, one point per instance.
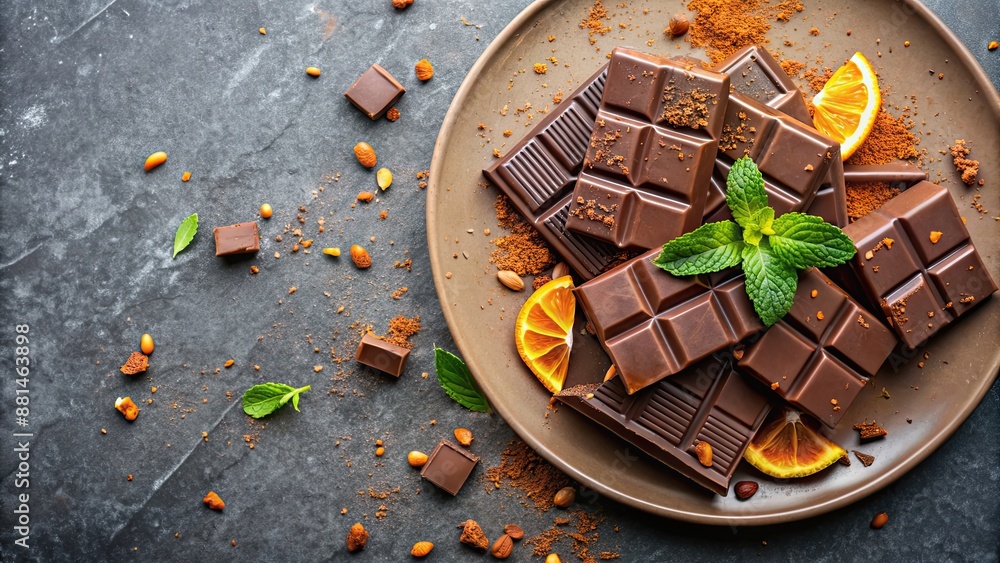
(880, 520)
(365, 154)
(564, 497)
(503, 547)
(416, 459)
(678, 26)
(560, 270)
(357, 537)
(360, 256)
(464, 436)
(421, 548)
(704, 452)
(154, 160)
(424, 70)
(514, 531)
(511, 280)
(313, 71)
(746, 489)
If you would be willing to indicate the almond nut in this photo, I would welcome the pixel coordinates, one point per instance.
(384, 178)
(564, 497)
(880, 520)
(146, 344)
(560, 270)
(746, 489)
(416, 459)
(510, 279)
(424, 70)
(514, 531)
(503, 547)
(421, 548)
(313, 71)
(357, 537)
(154, 160)
(704, 452)
(678, 26)
(360, 256)
(464, 436)
(365, 154)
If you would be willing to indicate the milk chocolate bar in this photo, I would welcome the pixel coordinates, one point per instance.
(449, 466)
(900, 174)
(821, 354)
(654, 324)
(374, 92)
(381, 355)
(240, 238)
(916, 262)
(709, 402)
(538, 175)
(651, 152)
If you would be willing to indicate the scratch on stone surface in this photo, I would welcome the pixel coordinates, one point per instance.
(57, 40)
(23, 255)
(245, 70)
(159, 482)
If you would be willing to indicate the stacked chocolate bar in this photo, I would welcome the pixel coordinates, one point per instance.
(637, 156)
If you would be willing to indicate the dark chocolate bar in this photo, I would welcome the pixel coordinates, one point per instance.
(449, 466)
(374, 92)
(915, 260)
(381, 355)
(900, 174)
(793, 157)
(651, 152)
(709, 402)
(654, 324)
(821, 354)
(240, 238)
(539, 173)
(756, 74)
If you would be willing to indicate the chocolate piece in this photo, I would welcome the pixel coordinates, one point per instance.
(709, 402)
(240, 238)
(449, 466)
(651, 152)
(382, 355)
(539, 173)
(756, 74)
(916, 261)
(374, 92)
(792, 157)
(653, 324)
(821, 354)
(900, 174)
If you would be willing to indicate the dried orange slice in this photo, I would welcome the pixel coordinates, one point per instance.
(846, 107)
(788, 448)
(543, 332)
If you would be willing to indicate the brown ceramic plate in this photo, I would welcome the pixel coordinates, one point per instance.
(962, 363)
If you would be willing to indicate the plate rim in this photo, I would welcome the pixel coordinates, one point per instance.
(509, 32)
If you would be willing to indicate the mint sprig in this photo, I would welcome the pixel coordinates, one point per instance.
(185, 233)
(770, 249)
(265, 398)
(456, 379)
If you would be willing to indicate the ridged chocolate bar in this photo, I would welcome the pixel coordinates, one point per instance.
(756, 74)
(821, 354)
(539, 173)
(709, 402)
(654, 324)
(916, 261)
(900, 174)
(651, 153)
(793, 157)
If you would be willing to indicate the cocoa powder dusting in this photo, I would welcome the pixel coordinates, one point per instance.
(523, 251)
(889, 140)
(965, 166)
(401, 329)
(584, 537)
(521, 468)
(594, 22)
(865, 197)
(724, 27)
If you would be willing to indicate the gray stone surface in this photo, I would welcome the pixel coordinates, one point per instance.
(89, 89)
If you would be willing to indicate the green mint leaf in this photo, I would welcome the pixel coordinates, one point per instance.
(803, 241)
(185, 233)
(770, 282)
(456, 379)
(759, 224)
(745, 193)
(709, 248)
(265, 398)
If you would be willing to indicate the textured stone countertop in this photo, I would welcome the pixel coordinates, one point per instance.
(89, 89)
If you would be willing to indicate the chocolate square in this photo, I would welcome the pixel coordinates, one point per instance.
(374, 92)
(240, 238)
(381, 355)
(449, 466)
